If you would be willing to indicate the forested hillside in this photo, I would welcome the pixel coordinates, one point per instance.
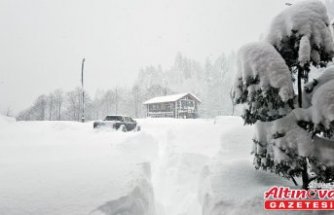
(210, 82)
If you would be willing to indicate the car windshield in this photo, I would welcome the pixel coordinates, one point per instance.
(113, 118)
(128, 119)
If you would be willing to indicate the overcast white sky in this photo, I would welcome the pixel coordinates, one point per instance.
(42, 42)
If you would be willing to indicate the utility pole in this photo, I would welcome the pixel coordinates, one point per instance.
(83, 90)
(116, 100)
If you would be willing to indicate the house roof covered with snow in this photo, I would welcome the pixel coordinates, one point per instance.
(170, 98)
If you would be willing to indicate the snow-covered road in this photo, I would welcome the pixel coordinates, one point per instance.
(171, 167)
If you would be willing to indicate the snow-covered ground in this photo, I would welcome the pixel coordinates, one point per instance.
(171, 167)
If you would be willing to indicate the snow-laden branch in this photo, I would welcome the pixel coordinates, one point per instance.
(302, 34)
(317, 116)
(295, 139)
(311, 87)
(262, 74)
(261, 63)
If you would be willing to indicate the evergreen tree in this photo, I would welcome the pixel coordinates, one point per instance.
(301, 37)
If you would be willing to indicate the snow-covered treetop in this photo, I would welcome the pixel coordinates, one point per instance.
(307, 24)
(260, 66)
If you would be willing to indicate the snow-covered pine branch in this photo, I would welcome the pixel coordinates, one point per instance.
(294, 143)
(302, 35)
(303, 132)
(263, 82)
(317, 114)
(319, 117)
(311, 87)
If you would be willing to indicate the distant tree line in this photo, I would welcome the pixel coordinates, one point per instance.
(210, 82)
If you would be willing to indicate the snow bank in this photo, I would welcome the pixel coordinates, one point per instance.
(185, 147)
(140, 201)
(4, 120)
(308, 22)
(67, 168)
(229, 184)
(171, 167)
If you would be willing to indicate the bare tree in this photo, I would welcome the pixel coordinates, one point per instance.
(50, 104)
(136, 100)
(73, 104)
(58, 99)
(38, 110)
(108, 99)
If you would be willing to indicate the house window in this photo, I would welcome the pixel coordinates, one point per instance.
(154, 107)
(191, 103)
(183, 104)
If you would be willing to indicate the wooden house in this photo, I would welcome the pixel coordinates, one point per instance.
(184, 105)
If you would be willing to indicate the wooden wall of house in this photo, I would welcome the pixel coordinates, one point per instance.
(186, 107)
(161, 107)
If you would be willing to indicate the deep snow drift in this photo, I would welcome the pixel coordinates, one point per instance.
(171, 167)
(67, 168)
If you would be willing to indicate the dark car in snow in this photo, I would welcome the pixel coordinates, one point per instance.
(122, 123)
